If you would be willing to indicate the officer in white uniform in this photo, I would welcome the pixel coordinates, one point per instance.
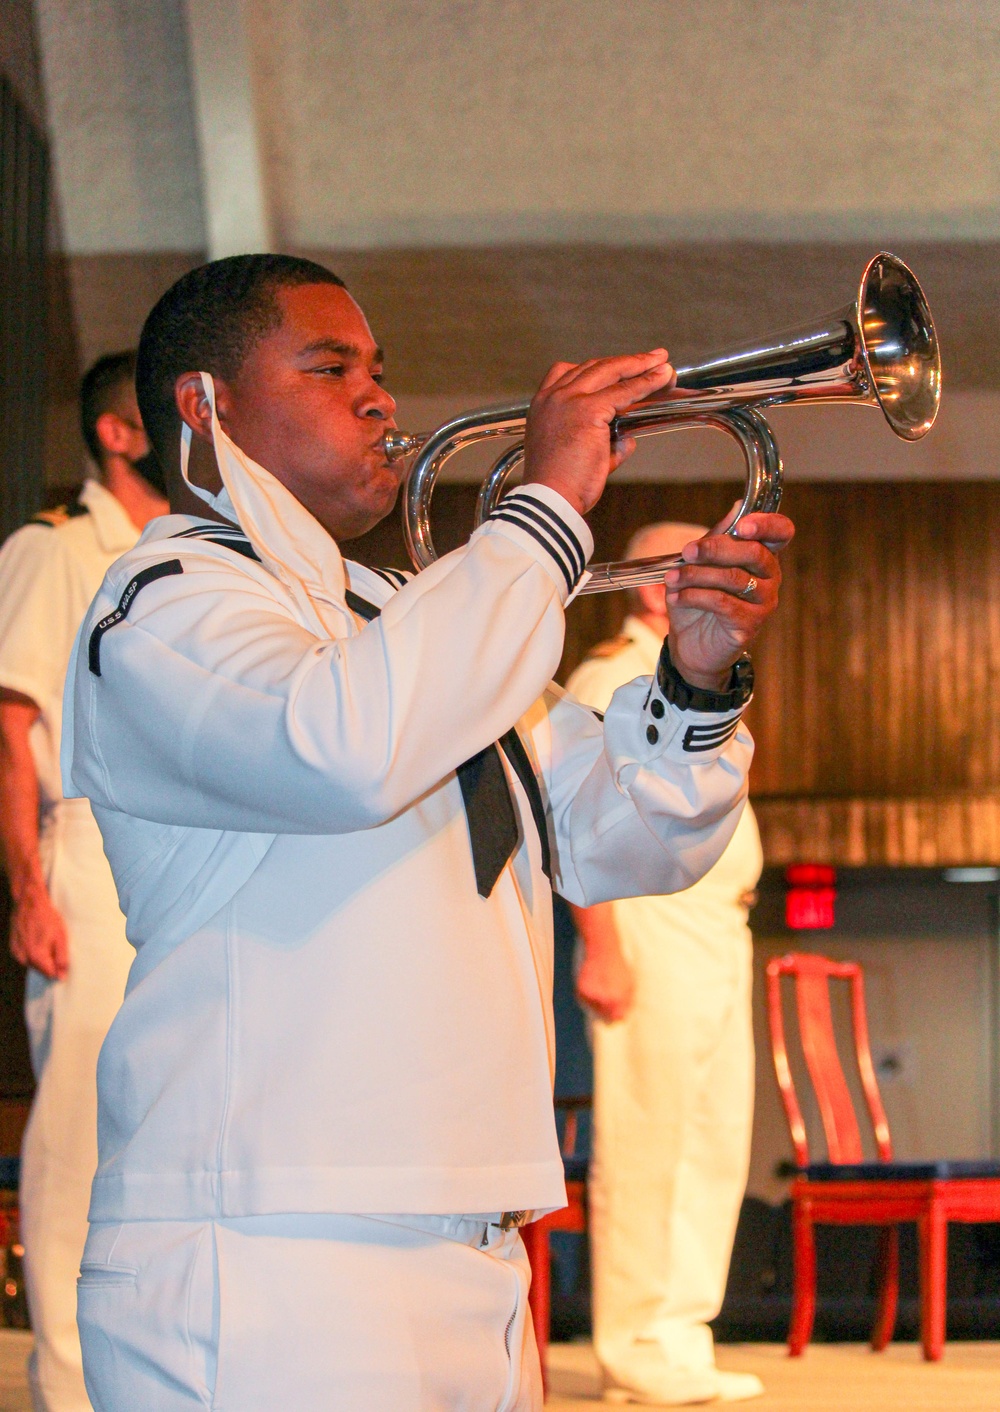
(333, 800)
(66, 924)
(668, 980)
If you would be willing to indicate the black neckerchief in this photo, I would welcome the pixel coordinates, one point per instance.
(489, 808)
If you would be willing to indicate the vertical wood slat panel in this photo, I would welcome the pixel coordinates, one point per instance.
(23, 200)
(877, 713)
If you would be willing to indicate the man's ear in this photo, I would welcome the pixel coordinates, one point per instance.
(114, 435)
(193, 405)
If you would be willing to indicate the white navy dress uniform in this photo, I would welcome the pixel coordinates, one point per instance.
(49, 572)
(673, 1102)
(332, 1070)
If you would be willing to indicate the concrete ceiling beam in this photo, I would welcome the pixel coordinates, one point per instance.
(234, 194)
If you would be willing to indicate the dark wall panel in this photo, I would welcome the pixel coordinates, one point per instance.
(877, 714)
(23, 197)
(491, 320)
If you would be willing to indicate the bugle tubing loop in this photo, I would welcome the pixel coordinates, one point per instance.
(879, 351)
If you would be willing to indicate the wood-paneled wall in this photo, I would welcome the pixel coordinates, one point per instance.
(877, 714)
(23, 207)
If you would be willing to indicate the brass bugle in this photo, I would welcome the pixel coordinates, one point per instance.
(879, 351)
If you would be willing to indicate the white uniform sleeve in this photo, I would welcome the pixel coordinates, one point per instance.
(645, 803)
(595, 681)
(214, 708)
(42, 600)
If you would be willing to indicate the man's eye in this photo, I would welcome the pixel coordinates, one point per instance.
(379, 378)
(334, 369)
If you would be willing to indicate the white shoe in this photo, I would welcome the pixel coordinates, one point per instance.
(685, 1389)
(738, 1387)
(670, 1388)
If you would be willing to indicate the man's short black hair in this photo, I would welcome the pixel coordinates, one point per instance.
(100, 392)
(208, 322)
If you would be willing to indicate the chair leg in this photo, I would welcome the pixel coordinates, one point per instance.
(804, 1284)
(536, 1243)
(888, 1288)
(933, 1234)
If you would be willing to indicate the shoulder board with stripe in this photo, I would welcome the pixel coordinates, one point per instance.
(52, 519)
(608, 649)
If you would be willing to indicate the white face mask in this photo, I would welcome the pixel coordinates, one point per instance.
(288, 539)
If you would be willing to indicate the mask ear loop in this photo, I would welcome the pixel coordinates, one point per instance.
(186, 435)
(219, 501)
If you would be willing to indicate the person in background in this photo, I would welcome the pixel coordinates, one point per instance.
(66, 925)
(668, 983)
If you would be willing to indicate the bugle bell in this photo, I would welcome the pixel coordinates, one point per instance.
(879, 351)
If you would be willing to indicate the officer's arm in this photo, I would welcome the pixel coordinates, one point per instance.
(604, 982)
(37, 931)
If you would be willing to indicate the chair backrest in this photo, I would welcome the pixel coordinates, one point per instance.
(812, 976)
(572, 1106)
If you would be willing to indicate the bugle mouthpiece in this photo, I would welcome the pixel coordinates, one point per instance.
(402, 443)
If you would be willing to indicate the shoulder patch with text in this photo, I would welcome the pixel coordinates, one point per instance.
(150, 575)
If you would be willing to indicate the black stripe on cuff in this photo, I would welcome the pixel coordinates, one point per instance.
(542, 538)
(528, 511)
(573, 545)
(701, 738)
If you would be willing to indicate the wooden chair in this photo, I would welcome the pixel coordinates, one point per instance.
(573, 1217)
(847, 1190)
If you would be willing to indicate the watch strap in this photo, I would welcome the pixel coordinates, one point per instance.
(696, 698)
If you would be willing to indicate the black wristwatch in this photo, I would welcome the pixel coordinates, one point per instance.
(695, 698)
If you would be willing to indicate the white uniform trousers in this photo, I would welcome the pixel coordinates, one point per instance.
(67, 1022)
(332, 1313)
(673, 1099)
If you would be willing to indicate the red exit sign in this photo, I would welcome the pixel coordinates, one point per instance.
(810, 897)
